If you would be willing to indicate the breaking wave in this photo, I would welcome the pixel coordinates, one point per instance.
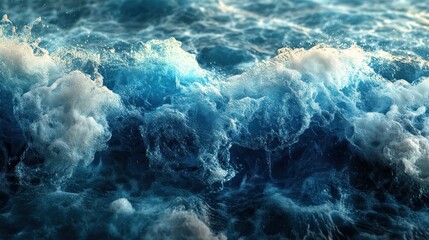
(109, 134)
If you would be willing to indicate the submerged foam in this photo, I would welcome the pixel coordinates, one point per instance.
(121, 206)
(314, 142)
(181, 225)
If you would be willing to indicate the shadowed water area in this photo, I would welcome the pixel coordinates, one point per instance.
(179, 119)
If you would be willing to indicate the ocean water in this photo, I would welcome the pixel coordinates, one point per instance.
(180, 119)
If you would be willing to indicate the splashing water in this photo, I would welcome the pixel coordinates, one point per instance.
(179, 119)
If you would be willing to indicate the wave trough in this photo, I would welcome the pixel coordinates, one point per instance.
(214, 120)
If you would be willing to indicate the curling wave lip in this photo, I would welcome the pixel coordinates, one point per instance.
(177, 119)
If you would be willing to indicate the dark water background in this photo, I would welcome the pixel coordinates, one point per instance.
(214, 119)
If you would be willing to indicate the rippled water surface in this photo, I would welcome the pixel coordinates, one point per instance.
(180, 119)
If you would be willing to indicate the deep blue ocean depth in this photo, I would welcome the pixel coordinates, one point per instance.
(214, 119)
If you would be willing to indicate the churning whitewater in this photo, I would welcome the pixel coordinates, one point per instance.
(179, 119)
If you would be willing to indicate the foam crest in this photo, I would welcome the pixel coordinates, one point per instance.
(399, 136)
(169, 54)
(328, 139)
(274, 103)
(180, 107)
(153, 72)
(383, 138)
(324, 65)
(63, 114)
(66, 121)
(21, 68)
(406, 96)
(299, 87)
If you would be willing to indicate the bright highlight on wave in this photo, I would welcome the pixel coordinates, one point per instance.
(155, 139)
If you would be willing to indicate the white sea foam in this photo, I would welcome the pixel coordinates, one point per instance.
(66, 121)
(20, 68)
(182, 225)
(121, 206)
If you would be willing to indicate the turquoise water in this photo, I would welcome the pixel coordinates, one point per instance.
(214, 119)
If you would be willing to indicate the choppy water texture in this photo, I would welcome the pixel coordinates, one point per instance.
(177, 119)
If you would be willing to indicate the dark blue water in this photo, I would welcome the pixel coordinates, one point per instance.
(179, 119)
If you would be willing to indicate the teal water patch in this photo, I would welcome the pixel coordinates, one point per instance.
(214, 120)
